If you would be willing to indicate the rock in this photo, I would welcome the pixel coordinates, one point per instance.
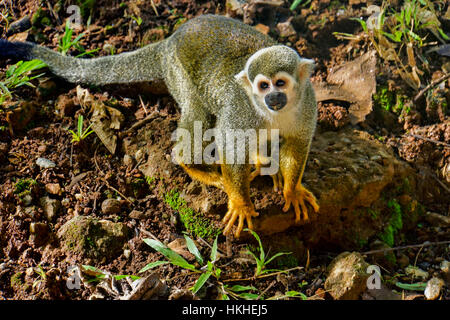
(235, 7)
(136, 214)
(262, 28)
(445, 270)
(39, 233)
(88, 237)
(27, 200)
(128, 161)
(347, 278)
(51, 208)
(437, 220)
(416, 272)
(53, 188)
(111, 206)
(45, 163)
(286, 29)
(351, 207)
(402, 260)
(433, 289)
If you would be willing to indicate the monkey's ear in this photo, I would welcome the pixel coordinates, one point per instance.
(242, 78)
(305, 68)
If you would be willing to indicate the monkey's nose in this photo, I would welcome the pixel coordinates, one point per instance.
(276, 100)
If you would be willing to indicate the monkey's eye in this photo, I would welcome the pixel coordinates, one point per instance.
(263, 85)
(280, 83)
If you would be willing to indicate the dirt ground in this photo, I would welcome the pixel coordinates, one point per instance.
(34, 124)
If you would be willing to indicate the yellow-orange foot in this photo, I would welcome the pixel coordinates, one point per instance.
(242, 210)
(297, 198)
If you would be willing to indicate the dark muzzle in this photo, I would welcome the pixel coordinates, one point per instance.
(276, 100)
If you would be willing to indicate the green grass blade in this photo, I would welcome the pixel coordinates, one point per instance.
(239, 288)
(295, 5)
(152, 265)
(214, 251)
(193, 249)
(276, 256)
(171, 255)
(201, 281)
(420, 286)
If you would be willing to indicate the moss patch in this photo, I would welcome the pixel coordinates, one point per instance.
(195, 223)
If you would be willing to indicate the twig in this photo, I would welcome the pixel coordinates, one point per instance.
(267, 289)
(425, 244)
(148, 233)
(431, 85)
(430, 140)
(143, 105)
(154, 8)
(440, 183)
(55, 15)
(263, 276)
(139, 124)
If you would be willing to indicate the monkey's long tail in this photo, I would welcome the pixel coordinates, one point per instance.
(137, 66)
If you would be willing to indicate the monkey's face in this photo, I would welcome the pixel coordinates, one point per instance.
(274, 93)
(274, 79)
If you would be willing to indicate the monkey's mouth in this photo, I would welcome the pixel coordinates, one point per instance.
(275, 100)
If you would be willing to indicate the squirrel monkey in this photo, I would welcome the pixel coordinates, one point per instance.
(228, 76)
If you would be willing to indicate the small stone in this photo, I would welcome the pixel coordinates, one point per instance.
(27, 200)
(347, 278)
(65, 202)
(45, 163)
(402, 260)
(29, 272)
(127, 253)
(30, 212)
(108, 48)
(235, 7)
(262, 28)
(433, 289)
(286, 29)
(139, 155)
(128, 160)
(136, 214)
(42, 148)
(416, 272)
(445, 270)
(437, 220)
(39, 233)
(53, 188)
(50, 207)
(111, 206)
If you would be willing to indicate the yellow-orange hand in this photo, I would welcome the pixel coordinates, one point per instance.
(297, 198)
(243, 211)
